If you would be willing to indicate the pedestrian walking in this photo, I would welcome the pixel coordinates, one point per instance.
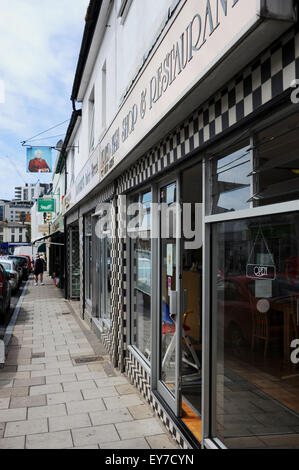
(39, 267)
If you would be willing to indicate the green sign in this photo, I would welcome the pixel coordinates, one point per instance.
(46, 205)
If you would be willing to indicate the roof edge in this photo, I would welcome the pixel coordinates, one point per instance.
(76, 114)
(92, 15)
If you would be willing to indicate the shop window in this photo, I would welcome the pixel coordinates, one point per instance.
(104, 96)
(141, 276)
(88, 258)
(91, 122)
(230, 179)
(124, 8)
(276, 169)
(255, 329)
(104, 304)
(103, 291)
(72, 166)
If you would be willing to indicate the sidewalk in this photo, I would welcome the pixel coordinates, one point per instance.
(50, 401)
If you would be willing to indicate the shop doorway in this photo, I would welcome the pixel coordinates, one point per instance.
(180, 299)
(191, 271)
(74, 267)
(169, 322)
(102, 295)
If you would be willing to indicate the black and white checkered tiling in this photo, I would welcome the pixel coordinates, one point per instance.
(263, 80)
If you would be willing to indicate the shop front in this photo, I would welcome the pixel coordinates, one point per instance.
(212, 287)
(196, 300)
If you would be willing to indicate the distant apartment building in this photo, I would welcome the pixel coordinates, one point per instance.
(31, 192)
(18, 211)
(3, 205)
(13, 232)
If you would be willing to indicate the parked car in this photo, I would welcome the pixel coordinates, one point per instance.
(5, 295)
(23, 263)
(29, 261)
(13, 272)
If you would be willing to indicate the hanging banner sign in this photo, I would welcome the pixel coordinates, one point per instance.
(258, 271)
(46, 205)
(39, 160)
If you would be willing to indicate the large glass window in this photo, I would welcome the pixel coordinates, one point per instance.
(276, 169)
(102, 295)
(104, 273)
(255, 327)
(88, 258)
(230, 179)
(141, 275)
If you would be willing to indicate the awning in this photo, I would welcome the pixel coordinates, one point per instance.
(42, 248)
(48, 236)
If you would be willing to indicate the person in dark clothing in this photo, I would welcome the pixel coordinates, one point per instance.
(39, 270)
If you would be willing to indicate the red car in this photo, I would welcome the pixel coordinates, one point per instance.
(29, 261)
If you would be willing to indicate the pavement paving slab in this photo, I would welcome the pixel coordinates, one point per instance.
(47, 401)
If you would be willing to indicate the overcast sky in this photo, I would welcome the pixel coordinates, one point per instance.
(39, 46)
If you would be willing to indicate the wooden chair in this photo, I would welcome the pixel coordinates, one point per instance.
(262, 329)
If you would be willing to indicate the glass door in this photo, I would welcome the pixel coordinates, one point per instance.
(103, 294)
(74, 264)
(169, 324)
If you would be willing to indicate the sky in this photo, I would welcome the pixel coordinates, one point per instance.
(39, 47)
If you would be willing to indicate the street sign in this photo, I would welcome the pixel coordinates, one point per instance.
(46, 205)
(43, 229)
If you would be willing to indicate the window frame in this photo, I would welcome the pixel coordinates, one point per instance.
(124, 10)
(146, 363)
(87, 265)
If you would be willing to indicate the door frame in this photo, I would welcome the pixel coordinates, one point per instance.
(173, 401)
(73, 231)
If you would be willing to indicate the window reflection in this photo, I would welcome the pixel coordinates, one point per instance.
(276, 169)
(255, 321)
(231, 181)
(141, 267)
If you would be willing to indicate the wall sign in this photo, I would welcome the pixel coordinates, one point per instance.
(201, 34)
(88, 177)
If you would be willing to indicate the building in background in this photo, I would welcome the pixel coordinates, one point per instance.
(3, 210)
(31, 192)
(14, 234)
(191, 113)
(18, 211)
